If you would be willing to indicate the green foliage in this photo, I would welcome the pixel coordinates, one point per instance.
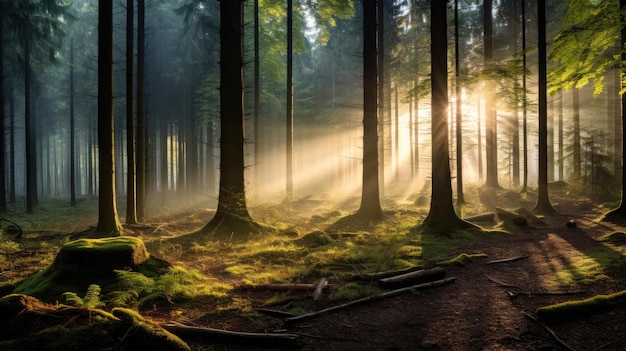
(587, 46)
(616, 238)
(91, 299)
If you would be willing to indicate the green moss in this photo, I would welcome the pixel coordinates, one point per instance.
(146, 335)
(461, 260)
(584, 307)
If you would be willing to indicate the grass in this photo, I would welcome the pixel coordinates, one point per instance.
(589, 266)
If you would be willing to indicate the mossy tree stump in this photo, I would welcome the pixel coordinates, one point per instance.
(83, 262)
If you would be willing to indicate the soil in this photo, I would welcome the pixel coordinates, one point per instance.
(484, 309)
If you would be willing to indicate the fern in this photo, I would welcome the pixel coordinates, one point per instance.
(91, 299)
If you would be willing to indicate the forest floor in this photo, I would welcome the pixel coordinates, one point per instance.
(483, 309)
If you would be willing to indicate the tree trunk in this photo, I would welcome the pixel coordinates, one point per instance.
(524, 104)
(370, 192)
(576, 162)
(72, 132)
(12, 142)
(257, 101)
(441, 212)
(491, 141)
(3, 200)
(232, 217)
(108, 222)
(543, 202)
(460, 199)
(560, 132)
(131, 204)
(289, 128)
(382, 127)
(31, 177)
(140, 167)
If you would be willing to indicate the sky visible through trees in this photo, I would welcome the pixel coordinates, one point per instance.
(49, 73)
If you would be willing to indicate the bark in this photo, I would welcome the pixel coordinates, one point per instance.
(543, 202)
(3, 200)
(257, 91)
(72, 131)
(232, 217)
(491, 144)
(460, 199)
(141, 146)
(108, 222)
(524, 105)
(370, 193)
(576, 162)
(289, 129)
(131, 203)
(441, 212)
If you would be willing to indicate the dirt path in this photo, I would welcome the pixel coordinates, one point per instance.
(474, 313)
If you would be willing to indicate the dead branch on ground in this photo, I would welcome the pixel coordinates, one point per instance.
(511, 259)
(552, 333)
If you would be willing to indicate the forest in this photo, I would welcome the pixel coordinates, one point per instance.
(312, 175)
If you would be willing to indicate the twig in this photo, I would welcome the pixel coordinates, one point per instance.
(554, 336)
(225, 335)
(530, 293)
(602, 346)
(274, 313)
(371, 298)
(507, 285)
(511, 259)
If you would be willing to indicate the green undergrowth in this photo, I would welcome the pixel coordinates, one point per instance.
(582, 308)
(585, 267)
(615, 238)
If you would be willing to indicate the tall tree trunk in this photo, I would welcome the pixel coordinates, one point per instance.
(3, 200)
(515, 121)
(441, 214)
(370, 192)
(524, 104)
(543, 202)
(141, 146)
(12, 143)
(289, 128)
(621, 210)
(108, 222)
(576, 162)
(31, 177)
(396, 129)
(257, 100)
(382, 127)
(491, 141)
(560, 131)
(550, 140)
(131, 203)
(231, 217)
(72, 131)
(460, 199)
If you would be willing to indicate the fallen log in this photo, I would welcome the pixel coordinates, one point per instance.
(218, 335)
(511, 259)
(385, 274)
(413, 278)
(387, 294)
(274, 313)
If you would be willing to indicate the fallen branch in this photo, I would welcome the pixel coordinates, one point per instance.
(274, 313)
(387, 294)
(279, 287)
(271, 339)
(554, 336)
(543, 293)
(506, 285)
(507, 259)
(413, 278)
(385, 274)
(317, 293)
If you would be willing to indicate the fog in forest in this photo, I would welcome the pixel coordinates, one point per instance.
(182, 103)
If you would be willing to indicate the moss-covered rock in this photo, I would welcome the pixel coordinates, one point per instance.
(314, 239)
(84, 262)
(29, 324)
(461, 260)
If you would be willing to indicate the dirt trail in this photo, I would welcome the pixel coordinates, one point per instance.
(475, 313)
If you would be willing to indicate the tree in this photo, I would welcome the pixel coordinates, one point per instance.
(289, 125)
(491, 141)
(543, 202)
(441, 212)
(232, 216)
(141, 111)
(459, 115)
(3, 200)
(131, 203)
(370, 192)
(108, 222)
